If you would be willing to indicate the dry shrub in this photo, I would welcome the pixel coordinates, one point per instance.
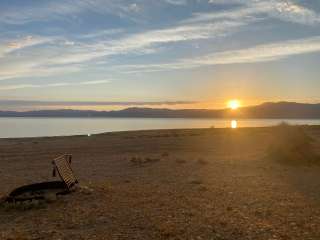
(291, 144)
(165, 154)
(136, 160)
(181, 161)
(23, 206)
(195, 181)
(18, 236)
(201, 161)
(142, 161)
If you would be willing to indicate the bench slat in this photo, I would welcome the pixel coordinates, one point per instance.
(64, 169)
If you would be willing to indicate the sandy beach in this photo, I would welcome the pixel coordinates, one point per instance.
(165, 184)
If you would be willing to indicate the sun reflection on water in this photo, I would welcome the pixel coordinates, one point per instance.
(234, 124)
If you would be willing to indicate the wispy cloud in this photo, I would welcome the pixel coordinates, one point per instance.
(12, 45)
(285, 10)
(59, 84)
(25, 103)
(58, 58)
(177, 2)
(260, 53)
(134, 7)
(102, 33)
(33, 68)
(30, 56)
(142, 43)
(55, 10)
(94, 82)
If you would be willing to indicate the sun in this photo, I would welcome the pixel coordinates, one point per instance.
(234, 104)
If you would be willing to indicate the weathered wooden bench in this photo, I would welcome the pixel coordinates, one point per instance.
(38, 191)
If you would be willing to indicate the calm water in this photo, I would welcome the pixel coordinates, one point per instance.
(35, 127)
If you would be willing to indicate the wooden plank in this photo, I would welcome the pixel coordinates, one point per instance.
(64, 169)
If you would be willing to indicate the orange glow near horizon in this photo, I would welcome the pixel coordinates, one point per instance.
(234, 104)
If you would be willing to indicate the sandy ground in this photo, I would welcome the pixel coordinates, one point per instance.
(166, 184)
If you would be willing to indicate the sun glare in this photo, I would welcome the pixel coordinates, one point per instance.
(234, 104)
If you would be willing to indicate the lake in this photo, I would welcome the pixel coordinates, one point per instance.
(36, 127)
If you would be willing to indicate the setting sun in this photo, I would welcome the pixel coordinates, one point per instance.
(234, 104)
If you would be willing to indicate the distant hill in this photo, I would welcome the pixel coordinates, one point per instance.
(282, 110)
(265, 110)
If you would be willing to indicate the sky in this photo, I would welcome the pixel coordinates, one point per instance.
(114, 54)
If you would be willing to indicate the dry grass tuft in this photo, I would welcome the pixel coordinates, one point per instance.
(23, 206)
(195, 181)
(18, 236)
(291, 144)
(202, 161)
(143, 161)
(181, 161)
(165, 154)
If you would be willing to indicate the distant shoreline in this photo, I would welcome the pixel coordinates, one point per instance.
(59, 130)
(281, 110)
(149, 117)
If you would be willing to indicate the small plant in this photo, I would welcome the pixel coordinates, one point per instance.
(151, 160)
(136, 160)
(142, 161)
(23, 206)
(201, 161)
(165, 154)
(181, 161)
(195, 181)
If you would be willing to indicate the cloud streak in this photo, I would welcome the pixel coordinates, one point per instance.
(58, 59)
(50, 85)
(143, 43)
(283, 10)
(9, 46)
(176, 2)
(25, 103)
(260, 53)
(56, 10)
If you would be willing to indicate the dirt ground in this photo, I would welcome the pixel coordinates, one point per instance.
(164, 184)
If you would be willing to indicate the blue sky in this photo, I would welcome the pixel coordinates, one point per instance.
(164, 53)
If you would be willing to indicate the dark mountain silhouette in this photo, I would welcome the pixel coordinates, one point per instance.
(265, 110)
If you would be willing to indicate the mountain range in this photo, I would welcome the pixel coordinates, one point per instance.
(273, 110)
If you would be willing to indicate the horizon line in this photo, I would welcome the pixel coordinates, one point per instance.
(130, 104)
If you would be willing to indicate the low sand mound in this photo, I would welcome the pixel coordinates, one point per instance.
(291, 144)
